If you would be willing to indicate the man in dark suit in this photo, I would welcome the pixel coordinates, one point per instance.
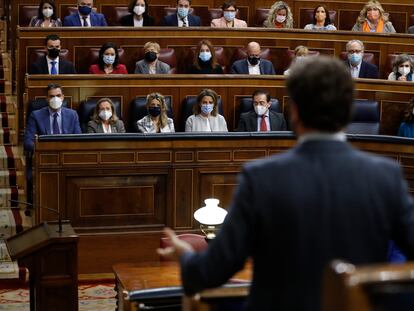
(85, 17)
(261, 119)
(253, 64)
(358, 67)
(410, 30)
(182, 18)
(295, 212)
(53, 119)
(52, 63)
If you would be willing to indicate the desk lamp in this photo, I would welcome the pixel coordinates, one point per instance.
(210, 217)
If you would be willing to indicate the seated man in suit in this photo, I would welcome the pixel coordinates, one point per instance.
(253, 65)
(261, 119)
(53, 119)
(182, 18)
(51, 63)
(85, 17)
(410, 30)
(358, 67)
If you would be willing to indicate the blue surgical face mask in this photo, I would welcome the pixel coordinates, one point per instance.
(229, 16)
(84, 10)
(205, 56)
(182, 12)
(109, 59)
(355, 58)
(207, 108)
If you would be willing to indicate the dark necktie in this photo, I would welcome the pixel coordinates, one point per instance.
(53, 69)
(55, 124)
(85, 21)
(263, 126)
(184, 22)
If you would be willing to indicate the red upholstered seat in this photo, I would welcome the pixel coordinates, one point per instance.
(306, 17)
(261, 16)
(411, 21)
(197, 241)
(167, 55)
(36, 54)
(26, 12)
(348, 19)
(113, 14)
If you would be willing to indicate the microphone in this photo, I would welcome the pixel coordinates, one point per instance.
(28, 211)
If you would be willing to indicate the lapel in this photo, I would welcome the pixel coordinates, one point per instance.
(145, 66)
(362, 69)
(45, 119)
(252, 119)
(261, 66)
(272, 120)
(175, 19)
(62, 114)
(45, 68)
(93, 19)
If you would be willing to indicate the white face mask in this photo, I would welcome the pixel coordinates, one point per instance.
(139, 10)
(105, 114)
(404, 70)
(55, 102)
(47, 12)
(280, 18)
(260, 110)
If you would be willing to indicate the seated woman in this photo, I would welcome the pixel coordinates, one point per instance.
(372, 18)
(402, 69)
(300, 53)
(151, 64)
(108, 62)
(46, 15)
(139, 14)
(407, 126)
(206, 117)
(157, 120)
(104, 118)
(205, 60)
(280, 16)
(229, 19)
(321, 19)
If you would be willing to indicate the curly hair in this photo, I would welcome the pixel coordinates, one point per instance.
(400, 59)
(277, 6)
(371, 5)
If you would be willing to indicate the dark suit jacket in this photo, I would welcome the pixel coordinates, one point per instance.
(367, 70)
(295, 212)
(39, 124)
(128, 20)
(117, 127)
(248, 122)
(241, 67)
(171, 20)
(40, 67)
(410, 30)
(97, 19)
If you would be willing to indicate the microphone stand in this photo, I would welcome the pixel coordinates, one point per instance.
(30, 206)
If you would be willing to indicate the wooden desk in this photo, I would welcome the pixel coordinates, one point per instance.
(150, 275)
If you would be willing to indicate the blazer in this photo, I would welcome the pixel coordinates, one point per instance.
(145, 125)
(141, 66)
(37, 22)
(128, 20)
(222, 23)
(248, 122)
(97, 19)
(294, 212)
(39, 124)
(94, 127)
(121, 69)
(388, 27)
(241, 67)
(368, 71)
(171, 20)
(41, 67)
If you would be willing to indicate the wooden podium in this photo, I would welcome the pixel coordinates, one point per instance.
(52, 261)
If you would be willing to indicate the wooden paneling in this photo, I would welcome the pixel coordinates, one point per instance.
(121, 208)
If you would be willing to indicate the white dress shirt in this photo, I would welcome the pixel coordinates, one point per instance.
(59, 120)
(180, 21)
(138, 22)
(88, 19)
(355, 70)
(254, 70)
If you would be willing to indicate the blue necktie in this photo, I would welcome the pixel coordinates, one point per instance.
(53, 70)
(55, 124)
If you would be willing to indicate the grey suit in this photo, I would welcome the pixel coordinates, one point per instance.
(294, 212)
(160, 67)
(248, 122)
(117, 127)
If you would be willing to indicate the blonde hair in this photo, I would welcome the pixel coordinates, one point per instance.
(301, 50)
(370, 5)
(95, 117)
(277, 6)
(150, 44)
(163, 115)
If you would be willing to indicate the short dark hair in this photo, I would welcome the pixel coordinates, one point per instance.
(327, 19)
(322, 90)
(102, 50)
(262, 92)
(52, 37)
(40, 9)
(52, 86)
(189, 1)
(132, 4)
(228, 4)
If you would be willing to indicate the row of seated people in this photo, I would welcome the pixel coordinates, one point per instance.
(372, 17)
(205, 59)
(153, 114)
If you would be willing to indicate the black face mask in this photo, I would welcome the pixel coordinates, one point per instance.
(150, 56)
(53, 53)
(253, 60)
(154, 111)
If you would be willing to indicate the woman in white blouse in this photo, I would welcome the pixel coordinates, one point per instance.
(206, 117)
(156, 121)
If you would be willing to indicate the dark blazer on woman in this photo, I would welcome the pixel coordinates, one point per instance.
(128, 20)
(94, 127)
(205, 68)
